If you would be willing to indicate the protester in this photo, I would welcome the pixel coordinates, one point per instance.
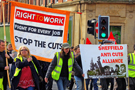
(12, 71)
(61, 67)
(13, 54)
(9, 48)
(79, 80)
(28, 71)
(118, 41)
(71, 83)
(105, 81)
(3, 67)
(131, 69)
(72, 49)
(44, 66)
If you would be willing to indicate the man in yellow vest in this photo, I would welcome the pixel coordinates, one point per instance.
(61, 67)
(131, 69)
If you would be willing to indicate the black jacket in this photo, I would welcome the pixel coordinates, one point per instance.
(3, 63)
(3, 73)
(19, 64)
(78, 59)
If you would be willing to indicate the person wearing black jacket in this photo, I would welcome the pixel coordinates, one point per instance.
(28, 71)
(44, 66)
(105, 81)
(3, 67)
(79, 80)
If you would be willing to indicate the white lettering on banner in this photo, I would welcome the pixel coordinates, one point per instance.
(32, 29)
(20, 27)
(44, 31)
(39, 17)
(56, 33)
(25, 15)
(53, 20)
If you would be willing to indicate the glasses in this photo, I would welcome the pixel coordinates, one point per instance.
(24, 50)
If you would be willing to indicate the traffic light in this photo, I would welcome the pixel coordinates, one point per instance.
(91, 27)
(103, 27)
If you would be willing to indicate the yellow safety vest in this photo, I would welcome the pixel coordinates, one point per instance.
(131, 65)
(17, 70)
(57, 70)
(1, 84)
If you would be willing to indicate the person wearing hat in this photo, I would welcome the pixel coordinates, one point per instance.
(61, 67)
(105, 81)
(131, 69)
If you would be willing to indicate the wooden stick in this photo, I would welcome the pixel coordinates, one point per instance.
(128, 84)
(84, 85)
(5, 44)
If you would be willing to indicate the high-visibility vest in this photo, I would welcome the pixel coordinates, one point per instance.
(1, 84)
(57, 70)
(17, 70)
(131, 65)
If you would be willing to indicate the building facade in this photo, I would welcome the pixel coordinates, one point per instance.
(121, 12)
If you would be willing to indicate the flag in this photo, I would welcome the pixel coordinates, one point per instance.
(88, 41)
(111, 37)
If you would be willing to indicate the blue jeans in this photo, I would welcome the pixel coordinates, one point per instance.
(62, 83)
(79, 82)
(93, 83)
(29, 88)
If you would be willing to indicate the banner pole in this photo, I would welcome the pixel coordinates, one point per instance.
(5, 43)
(85, 85)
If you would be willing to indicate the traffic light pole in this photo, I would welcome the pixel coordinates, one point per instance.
(94, 30)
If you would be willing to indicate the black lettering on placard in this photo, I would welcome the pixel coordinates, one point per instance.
(53, 45)
(40, 43)
(23, 40)
(38, 30)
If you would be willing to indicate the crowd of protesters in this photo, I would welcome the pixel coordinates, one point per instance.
(28, 73)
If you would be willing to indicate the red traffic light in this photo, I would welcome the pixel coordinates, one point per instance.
(103, 28)
(103, 21)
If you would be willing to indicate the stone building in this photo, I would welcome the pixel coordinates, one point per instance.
(121, 12)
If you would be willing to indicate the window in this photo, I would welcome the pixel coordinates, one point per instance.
(56, 1)
(64, 0)
(70, 30)
(27, 1)
(19, 0)
(116, 30)
(41, 2)
(49, 1)
(34, 2)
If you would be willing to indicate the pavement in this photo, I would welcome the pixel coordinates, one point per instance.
(55, 86)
